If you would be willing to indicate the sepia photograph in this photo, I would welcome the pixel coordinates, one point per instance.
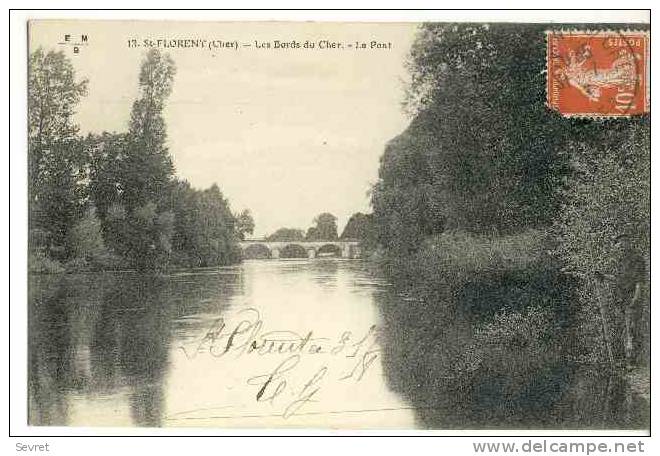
(338, 225)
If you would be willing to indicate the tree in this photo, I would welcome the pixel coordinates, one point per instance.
(147, 237)
(287, 234)
(147, 170)
(86, 238)
(360, 227)
(325, 228)
(604, 240)
(214, 242)
(146, 174)
(482, 153)
(55, 156)
(107, 153)
(312, 234)
(205, 230)
(484, 158)
(244, 224)
(117, 190)
(184, 203)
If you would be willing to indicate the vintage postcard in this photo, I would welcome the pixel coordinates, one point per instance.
(339, 225)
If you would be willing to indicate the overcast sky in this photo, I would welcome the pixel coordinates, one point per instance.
(285, 133)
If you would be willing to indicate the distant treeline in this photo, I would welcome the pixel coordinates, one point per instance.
(534, 227)
(111, 200)
(324, 228)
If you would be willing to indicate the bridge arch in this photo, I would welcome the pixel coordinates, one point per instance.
(257, 252)
(329, 249)
(293, 250)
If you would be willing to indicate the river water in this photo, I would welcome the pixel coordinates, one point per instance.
(323, 343)
(125, 349)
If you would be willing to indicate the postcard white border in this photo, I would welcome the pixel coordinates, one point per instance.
(14, 270)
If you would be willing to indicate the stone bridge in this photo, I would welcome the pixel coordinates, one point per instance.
(256, 248)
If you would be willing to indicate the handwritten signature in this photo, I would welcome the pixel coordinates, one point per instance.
(282, 386)
(248, 337)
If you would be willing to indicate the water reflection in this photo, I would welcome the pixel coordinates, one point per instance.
(432, 359)
(126, 349)
(115, 350)
(99, 344)
(50, 357)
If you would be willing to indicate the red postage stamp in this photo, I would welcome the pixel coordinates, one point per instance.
(598, 74)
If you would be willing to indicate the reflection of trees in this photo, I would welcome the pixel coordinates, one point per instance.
(130, 343)
(98, 335)
(91, 334)
(324, 273)
(62, 312)
(418, 346)
(50, 352)
(509, 370)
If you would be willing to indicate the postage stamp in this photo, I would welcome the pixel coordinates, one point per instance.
(598, 74)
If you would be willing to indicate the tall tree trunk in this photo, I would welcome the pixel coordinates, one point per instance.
(629, 324)
(603, 300)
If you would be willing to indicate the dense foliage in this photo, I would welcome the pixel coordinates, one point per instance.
(56, 160)
(111, 200)
(603, 233)
(324, 228)
(357, 227)
(497, 210)
(287, 234)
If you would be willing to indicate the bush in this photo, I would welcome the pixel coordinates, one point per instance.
(461, 253)
(85, 239)
(78, 264)
(449, 265)
(39, 263)
(515, 342)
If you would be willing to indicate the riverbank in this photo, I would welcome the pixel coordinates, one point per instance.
(39, 263)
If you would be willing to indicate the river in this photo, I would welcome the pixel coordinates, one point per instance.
(323, 343)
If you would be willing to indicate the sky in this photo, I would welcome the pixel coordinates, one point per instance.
(286, 133)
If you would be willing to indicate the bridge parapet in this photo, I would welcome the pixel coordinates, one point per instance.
(347, 248)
